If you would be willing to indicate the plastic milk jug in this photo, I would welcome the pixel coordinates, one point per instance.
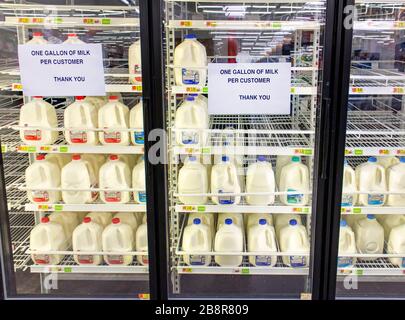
(134, 62)
(118, 238)
(371, 177)
(73, 39)
(396, 183)
(390, 221)
(197, 237)
(396, 245)
(114, 116)
(78, 174)
(227, 239)
(206, 218)
(102, 218)
(87, 238)
(369, 236)
(37, 38)
(347, 245)
(349, 185)
(387, 162)
(193, 179)
(44, 237)
(190, 62)
(42, 175)
(294, 238)
(294, 177)
(262, 238)
(260, 178)
(281, 161)
(191, 115)
(115, 176)
(224, 179)
(138, 182)
(79, 118)
(68, 220)
(128, 218)
(142, 243)
(136, 122)
(40, 114)
(282, 220)
(237, 219)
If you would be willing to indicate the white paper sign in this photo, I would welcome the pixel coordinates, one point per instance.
(62, 69)
(249, 88)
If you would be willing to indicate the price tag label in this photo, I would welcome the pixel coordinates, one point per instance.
(16, 87)
(67, 269)
(58, 207)
(292, 90)
(193, 89)
(357, 90)
(211, 24)
(384, 151)
(305, 152)
(358, 152)
(187, 270)
(137, 88)
(356, 210)
(399, 90)
(201, 208)
(401, 152)
(186, 23)
(187, 208)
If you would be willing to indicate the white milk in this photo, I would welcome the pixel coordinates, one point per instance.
(134, 62)
(281, 162)
(37, 38)
(370, 176)
(41, 114)
(142, 243)
(237, 219)
(78, 118)
(115, 175)
(294, 177)
(68, 220)
(262, 238)
(42, 175)
(227, 239)
(369, 236)
(119, 238)
(98, 102)
(95, 160)
(78, 174)
(58, 158)
(387, 162)
(294, 238)
(87, 237)
(347, 245)
(254, 218)
(282, 220)
(188, 54)
(47, 236)
(260, 178)
(224, 179)
(128, 218)
(396, 183)
(136, 122)
(197, 237)
(73, 39)
(349, 185)
(193, 179)
(396, 245)
(192, 115)
(206, 218)
(102, 218)
(138, 182)
(390, 221)
(114, 116)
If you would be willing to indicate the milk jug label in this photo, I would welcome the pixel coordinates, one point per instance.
(112, 196)
(263, 260)
(41, 258)
(112, 137)
(85, 259)
(145, 260)
(189, 137)
(375, 199)
(347, 200)
(78, 136)
(32, 135)
(190, 76)
(115, 259)
(344, 262)
(137, 70)
(139, 137)
(225, 199)
(142, 196)
(297, 261)
(94, 194)
(40, 196)
(196, 260)
(403, 262)
(294, 198)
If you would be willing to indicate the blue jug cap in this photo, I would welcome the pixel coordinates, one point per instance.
(293, 222)
(346, 163)
(343, 223)
(296, 159)
(192, 158)
(372, 159)
(261, 158)
(225, 158)
(190, 36)
(228, 221)
(370, 216)
(262, 222)
(190, 98)
(402, 159)
(197, 221)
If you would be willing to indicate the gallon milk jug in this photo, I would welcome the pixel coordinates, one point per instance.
(294, 238)
(281, 162)
(387, 162)
(47, 236)
(260, 178)
(192, 115)
(142, 244)
(129, 218)
(351, 219)
(42, 175)
(197, 237)
(136, 122)
(396, 245)
(118, 238)
(294, 177)
(102, 218)
(283, 220)
(253, 219)
(190, 62)
(262, 238)
(59, 159)
(87, 237)
(37, 38)
(206, 218)
(78, 174)
(371, 177)
(114, 116)
(138, 182)
(396, 183)
(390, 221)
(224, 179)
(115, 175)
(237, 219)
(229, 238)
(38, 113)
(193, 179)
(79, 118)
(349, 185)
(72, 38)
(134, 62)
(95, 160)
(68, 220)
(369, 236)
(98, 102)
(347, 245)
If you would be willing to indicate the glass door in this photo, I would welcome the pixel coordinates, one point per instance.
(74, 206)
(371, 245)
(242, 95)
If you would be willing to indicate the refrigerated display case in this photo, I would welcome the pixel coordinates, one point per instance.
(116, 26)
